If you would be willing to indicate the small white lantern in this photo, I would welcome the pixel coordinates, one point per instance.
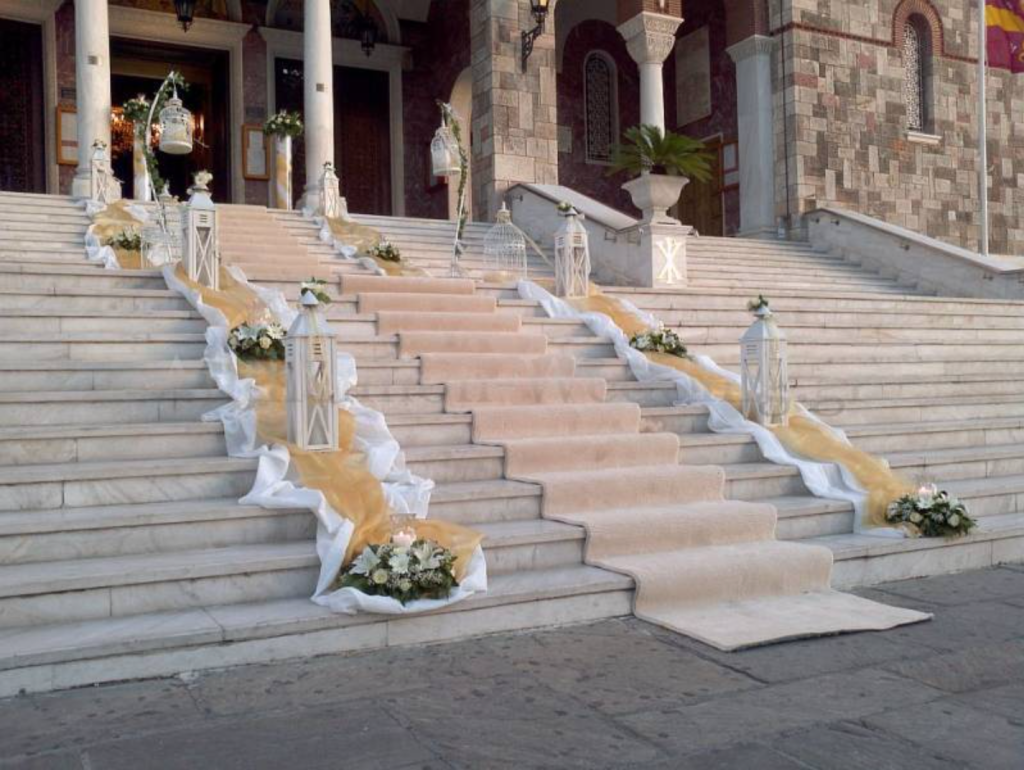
(763, 371)
(106, 188)
(572, 258)
(505, 247)
(310, 365)
(444, 153)
(176, 127)
(200, 255)
(332, 205)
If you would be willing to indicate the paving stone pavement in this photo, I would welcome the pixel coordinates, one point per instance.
(618, 694)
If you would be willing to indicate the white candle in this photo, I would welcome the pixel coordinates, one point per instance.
(403, 538)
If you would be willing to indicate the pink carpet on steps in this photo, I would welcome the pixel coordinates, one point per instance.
(703, 565)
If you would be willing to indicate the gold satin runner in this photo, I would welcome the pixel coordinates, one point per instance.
(109, 223)
(803, 437)
(342, 476)
(363, 238)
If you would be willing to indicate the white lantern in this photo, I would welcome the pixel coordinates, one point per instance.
(332, 205)
(505, 247)
(572, 258)
(200, 256)
(106, 188)
(310, 361)
(176, 127)
(763, 371)
(444, 153)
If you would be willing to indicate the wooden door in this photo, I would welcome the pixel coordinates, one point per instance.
(362, 128)
(22, 165)
(700, 205)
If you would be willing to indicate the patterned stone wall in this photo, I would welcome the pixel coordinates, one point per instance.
(845, 120)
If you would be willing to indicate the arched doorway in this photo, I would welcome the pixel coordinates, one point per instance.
(462, 102)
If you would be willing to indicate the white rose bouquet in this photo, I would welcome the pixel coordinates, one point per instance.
(258, 342)
(387, 251)
(422, 570)
(659, 341)
(934, 513)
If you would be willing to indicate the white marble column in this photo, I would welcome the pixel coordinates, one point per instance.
(753, 58)
(92, 82)
(650, 38)
(318, 75)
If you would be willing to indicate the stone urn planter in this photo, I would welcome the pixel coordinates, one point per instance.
(655, 194)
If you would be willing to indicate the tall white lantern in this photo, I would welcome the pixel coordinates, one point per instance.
(176, 127)
(310, 364)
(444, 153)
(106, 188)
(505, 247)
(332, 205)
(200, 256)
(572, 258)
(763, 373)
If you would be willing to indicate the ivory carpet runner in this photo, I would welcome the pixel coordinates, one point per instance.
(704, 566)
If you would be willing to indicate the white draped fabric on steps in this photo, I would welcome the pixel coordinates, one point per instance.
(704, 566)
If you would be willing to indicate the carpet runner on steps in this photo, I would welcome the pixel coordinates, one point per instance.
(704, 566)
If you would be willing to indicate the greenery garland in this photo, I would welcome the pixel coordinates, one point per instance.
(451, 120)
(138, 110)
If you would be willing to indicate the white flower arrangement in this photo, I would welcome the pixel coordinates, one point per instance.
(386, 251)
(659, 341)
(258, 342)
(129, 239)
(317, 288)
(934, 513)
(283, 124)
(420, 570)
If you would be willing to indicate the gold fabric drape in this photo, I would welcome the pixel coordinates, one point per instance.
(109, 223)
(342, 475)
(363, 238)
(803, 437)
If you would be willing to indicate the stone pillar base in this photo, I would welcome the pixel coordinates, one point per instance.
(647, 256)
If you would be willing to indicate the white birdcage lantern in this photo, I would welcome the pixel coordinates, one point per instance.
(444, 153)
(505, 247)
(310, 365)
(763, 373)
(176, 127)
(572, 257)
(199, 253)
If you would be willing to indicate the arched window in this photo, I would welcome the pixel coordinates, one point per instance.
(601, 110)
(917, 74)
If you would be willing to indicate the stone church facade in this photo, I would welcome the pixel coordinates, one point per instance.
(867, 106)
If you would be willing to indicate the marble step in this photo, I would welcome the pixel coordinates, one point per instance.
(798, 334)
(92, 407)
(162, 644)
(48, 257)
(421, 399)
(365, 325)
(755, 286)
(103, 346)
(386, 347)
(70, 443)
(864, 560)
(938, 434)
(881, 352)
(19, 242)
(407, 371)
(75, 485)
(31, 321)
(923, 318)
(697, 269)
(51, 278)
(936, 367)
(868, 412)
(93, 300)
(65, 374)
(888, 387)
(156, 580)
(959, 463)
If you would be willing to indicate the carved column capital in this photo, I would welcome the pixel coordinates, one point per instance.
(650, 37)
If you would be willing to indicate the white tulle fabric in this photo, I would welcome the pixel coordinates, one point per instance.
(345, 250)
(275, 488)
(826, 480)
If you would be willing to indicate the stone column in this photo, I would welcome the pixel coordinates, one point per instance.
(318, 81)
(650, 38)
(753, 58)
(92, 83)
(515, 115)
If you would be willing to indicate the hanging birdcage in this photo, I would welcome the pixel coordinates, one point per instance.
(763, 374)
(572, 258)
(176, 127)
(310, 366)
(444, 153)
(505, 248)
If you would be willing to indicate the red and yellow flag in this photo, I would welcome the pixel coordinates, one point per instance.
(1004, 22)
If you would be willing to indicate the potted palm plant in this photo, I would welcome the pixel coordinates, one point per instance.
(663, 163)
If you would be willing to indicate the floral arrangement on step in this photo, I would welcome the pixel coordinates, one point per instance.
(659, 341)
(283, 123)
(258, 342)
(405, 569)
(758, 304)
(128, 239)
(386, 251)
(317, 288)
(934, 513)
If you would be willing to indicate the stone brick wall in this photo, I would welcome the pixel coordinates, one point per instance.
(440, 52)
(64, 24)
(845, 121)
(573, 169)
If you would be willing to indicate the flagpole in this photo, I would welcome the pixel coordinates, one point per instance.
(982, 128)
